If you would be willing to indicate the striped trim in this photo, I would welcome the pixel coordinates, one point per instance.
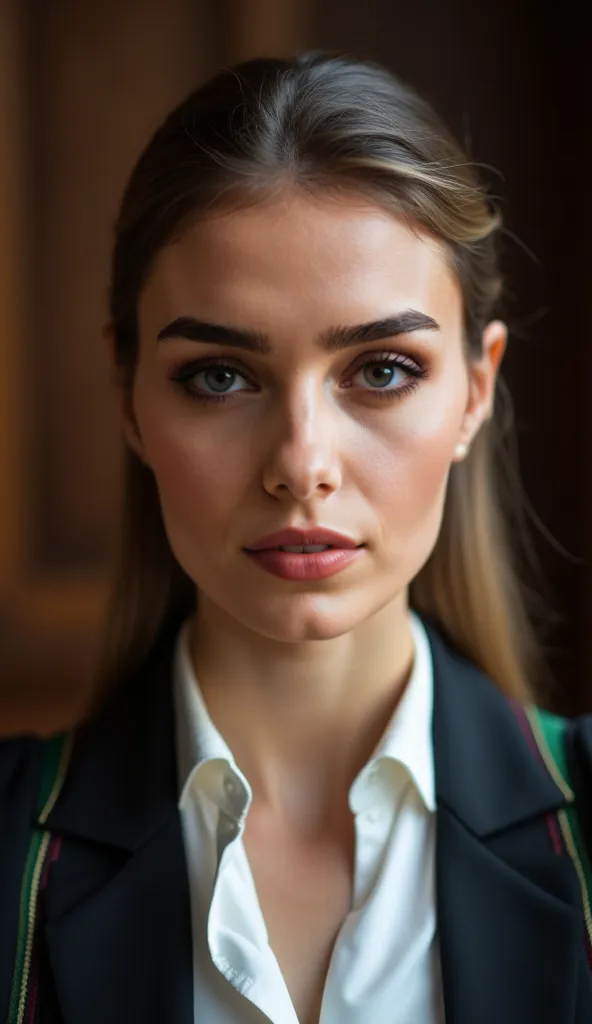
(52, 854)
(573, 841)
(549, 734)
(56, 757)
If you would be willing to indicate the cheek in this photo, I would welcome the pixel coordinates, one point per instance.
(404, 472)
(196, 484)
(406, 490)
(197, 477)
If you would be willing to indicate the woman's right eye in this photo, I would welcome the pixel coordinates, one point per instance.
(213, 380)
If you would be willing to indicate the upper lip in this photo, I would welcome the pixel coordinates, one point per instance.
(293, 537)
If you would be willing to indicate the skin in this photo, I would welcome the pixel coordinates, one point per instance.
(301, 678)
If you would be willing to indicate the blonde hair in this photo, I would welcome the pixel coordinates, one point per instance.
(327, 123)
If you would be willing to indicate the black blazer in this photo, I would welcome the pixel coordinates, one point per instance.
(115, 925)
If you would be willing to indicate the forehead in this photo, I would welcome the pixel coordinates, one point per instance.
(325, 261)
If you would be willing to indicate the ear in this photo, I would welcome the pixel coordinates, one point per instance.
(482, 378)
(124, 393)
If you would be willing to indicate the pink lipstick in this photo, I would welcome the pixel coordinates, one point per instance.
(309, 554)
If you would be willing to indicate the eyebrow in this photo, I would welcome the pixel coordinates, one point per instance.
(332, 340)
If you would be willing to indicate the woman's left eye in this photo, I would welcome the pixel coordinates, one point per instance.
(388, 374)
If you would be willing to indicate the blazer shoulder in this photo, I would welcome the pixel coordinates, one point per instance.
(579, 750)
(581, 732)
(19, 762)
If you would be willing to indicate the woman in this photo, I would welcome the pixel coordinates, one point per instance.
(301, 800)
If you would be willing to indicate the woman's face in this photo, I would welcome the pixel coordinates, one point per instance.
(292, 412)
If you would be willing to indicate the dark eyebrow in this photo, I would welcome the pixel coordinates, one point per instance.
(332, 340)
(200, 330)
(400, 323)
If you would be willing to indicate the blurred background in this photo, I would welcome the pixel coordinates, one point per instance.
(82, 86)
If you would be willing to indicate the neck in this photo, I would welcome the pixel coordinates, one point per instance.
(302, 719)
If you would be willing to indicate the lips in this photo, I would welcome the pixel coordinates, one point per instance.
(306, 563)
(300, 538)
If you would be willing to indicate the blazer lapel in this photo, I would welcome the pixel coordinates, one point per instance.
(118, 926)
(509, 929)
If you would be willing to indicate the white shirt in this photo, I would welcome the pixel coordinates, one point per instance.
(385, 965)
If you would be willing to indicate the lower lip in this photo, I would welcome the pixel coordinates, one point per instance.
(315, 566)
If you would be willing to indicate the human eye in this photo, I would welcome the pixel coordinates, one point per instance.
(387, 375)
(210, 380)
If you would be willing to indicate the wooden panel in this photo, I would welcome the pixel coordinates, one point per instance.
(107, 74)
(11, 297)
(267, 28)
(81, 89)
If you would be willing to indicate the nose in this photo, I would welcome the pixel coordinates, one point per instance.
(303, 460)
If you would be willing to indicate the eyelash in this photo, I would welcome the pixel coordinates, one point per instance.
(182, 374)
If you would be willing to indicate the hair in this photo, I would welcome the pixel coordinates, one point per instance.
(327, 124)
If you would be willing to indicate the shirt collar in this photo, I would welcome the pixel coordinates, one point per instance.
(406, 740)
(203, 756)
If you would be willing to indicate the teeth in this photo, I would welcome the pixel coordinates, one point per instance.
(304, 549)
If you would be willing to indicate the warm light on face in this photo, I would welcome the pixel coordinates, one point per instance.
(301, 362)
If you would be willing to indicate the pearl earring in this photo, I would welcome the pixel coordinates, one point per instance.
(461, 450)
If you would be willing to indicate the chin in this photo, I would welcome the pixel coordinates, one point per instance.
(306, 620)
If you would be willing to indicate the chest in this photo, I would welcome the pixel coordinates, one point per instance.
(305, 893)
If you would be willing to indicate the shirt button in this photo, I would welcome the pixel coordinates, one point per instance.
(230, 785)
(228, 829)
(372, 816)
